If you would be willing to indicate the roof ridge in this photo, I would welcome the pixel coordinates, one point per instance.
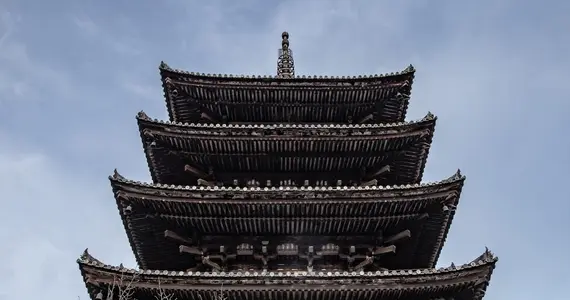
(454, 178)
(483, 260)
(429, 117)
(165, 67)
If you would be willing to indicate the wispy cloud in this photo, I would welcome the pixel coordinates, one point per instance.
(494, 72)
(122, 45)
(7, 22)
(24, 78)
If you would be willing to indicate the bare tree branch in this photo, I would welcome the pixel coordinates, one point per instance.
(162, 295)
(124, 290)
(218, 296)
(127, 291)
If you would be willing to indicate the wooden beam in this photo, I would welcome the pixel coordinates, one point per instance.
(195, 171)
(366, 118)
(423, 217)
(206, 260)
(398, 237)
(176, 237)
(310, 256)
(205, 115)
(205, 182)
(264, 256)
(384, 250)
(378, 172)
(367, 261)
(190, 250)
(223, 256)
(359, 241)
(369, 182)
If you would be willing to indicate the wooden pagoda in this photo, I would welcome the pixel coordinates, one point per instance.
(287, 187)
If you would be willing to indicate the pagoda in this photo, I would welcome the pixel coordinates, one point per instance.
(286, 187)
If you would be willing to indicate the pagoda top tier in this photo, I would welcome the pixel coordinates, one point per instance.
(224, 98)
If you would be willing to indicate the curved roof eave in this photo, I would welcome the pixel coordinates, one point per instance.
(117, 180)
(481, 267)
(164, 68)
(429, 121)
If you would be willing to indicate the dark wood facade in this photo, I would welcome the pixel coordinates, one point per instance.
(465, 282)
(287, 188)
(409, 222)
(304, 154)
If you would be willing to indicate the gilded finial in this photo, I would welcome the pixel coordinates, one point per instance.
(285, 63)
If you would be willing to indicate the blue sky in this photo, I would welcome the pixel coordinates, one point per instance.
(73, 74)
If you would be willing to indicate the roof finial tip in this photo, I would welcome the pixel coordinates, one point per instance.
(117, 175)
(285, 64)
(285, 40)
(458, 175)
(142, 115)
(163, 65)
(85, 255)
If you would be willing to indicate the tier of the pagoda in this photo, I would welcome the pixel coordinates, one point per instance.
(196, 98)
(281, 154)
(464, 282)
(334, 227)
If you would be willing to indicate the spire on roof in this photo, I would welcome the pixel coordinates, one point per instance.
(285, 63)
